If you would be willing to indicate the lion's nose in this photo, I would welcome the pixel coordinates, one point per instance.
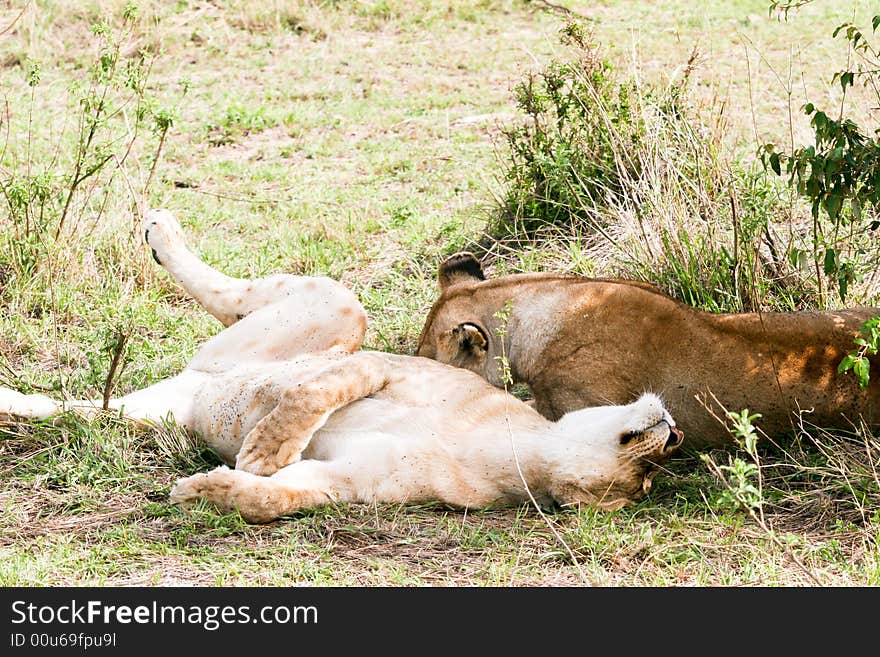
(676, 436)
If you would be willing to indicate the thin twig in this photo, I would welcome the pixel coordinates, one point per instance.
(560, 9)
(119, 347)
(522, 477)
(155, 160)
(134, 197)
(15, 20)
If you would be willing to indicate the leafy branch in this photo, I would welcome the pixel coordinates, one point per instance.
(840, 172)
(868, 342)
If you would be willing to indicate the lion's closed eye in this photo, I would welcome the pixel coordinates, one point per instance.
(629, 436)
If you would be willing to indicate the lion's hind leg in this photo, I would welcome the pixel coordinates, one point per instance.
(258, 499)
(281, 436)
(226, 298)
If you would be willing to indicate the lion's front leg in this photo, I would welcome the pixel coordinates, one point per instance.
(258, 499)
(153, 404)
(15, 405)
(280, 438)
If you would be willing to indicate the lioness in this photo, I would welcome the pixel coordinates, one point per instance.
(285, 394)
(579, 342)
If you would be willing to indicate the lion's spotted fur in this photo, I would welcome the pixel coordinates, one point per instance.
(578, 341)
(285, 394)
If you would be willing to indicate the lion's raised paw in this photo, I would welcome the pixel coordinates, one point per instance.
(162, 232)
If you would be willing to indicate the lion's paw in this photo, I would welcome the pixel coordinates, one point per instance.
(196, 487)
(256, 462)
(162, 233)
(14, 404)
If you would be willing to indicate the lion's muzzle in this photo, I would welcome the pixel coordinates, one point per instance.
(676, 436)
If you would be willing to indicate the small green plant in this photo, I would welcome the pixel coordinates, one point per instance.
(741, 490)
(744, 431)
(868, 343)
(567, 154)
(107, 110)
(742, 479)
(238, 121)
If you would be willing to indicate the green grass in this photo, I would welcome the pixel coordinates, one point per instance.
(357, 140)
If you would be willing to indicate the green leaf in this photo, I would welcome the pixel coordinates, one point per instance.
(856, 205)
(847, 363)
(861, 369)
(832, 205)
(830, 263)
(875, 23)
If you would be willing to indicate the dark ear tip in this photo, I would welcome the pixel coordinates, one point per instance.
(460, 266)
(460, 257)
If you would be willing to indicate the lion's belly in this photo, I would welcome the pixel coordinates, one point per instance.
(228, 406)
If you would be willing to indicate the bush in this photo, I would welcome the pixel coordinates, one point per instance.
(642, 179)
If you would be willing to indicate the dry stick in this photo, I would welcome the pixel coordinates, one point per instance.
(54, 304)
(791, 191)
(816, 228)
(558, 8)
(132, 138)
(15, 20)
(134, 197)
(534, 502)
(4, 120)
(864, 433)
(27, 457)
(17, 377)
(121, 339)
(755, 292)
(751, 94)
(767, 234)
(735, 218)
(240, 199)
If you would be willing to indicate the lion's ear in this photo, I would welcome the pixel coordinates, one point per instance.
(459, 268)
(471, 338)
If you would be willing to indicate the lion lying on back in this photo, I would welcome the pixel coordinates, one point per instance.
(580, 341)
(285, 395)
